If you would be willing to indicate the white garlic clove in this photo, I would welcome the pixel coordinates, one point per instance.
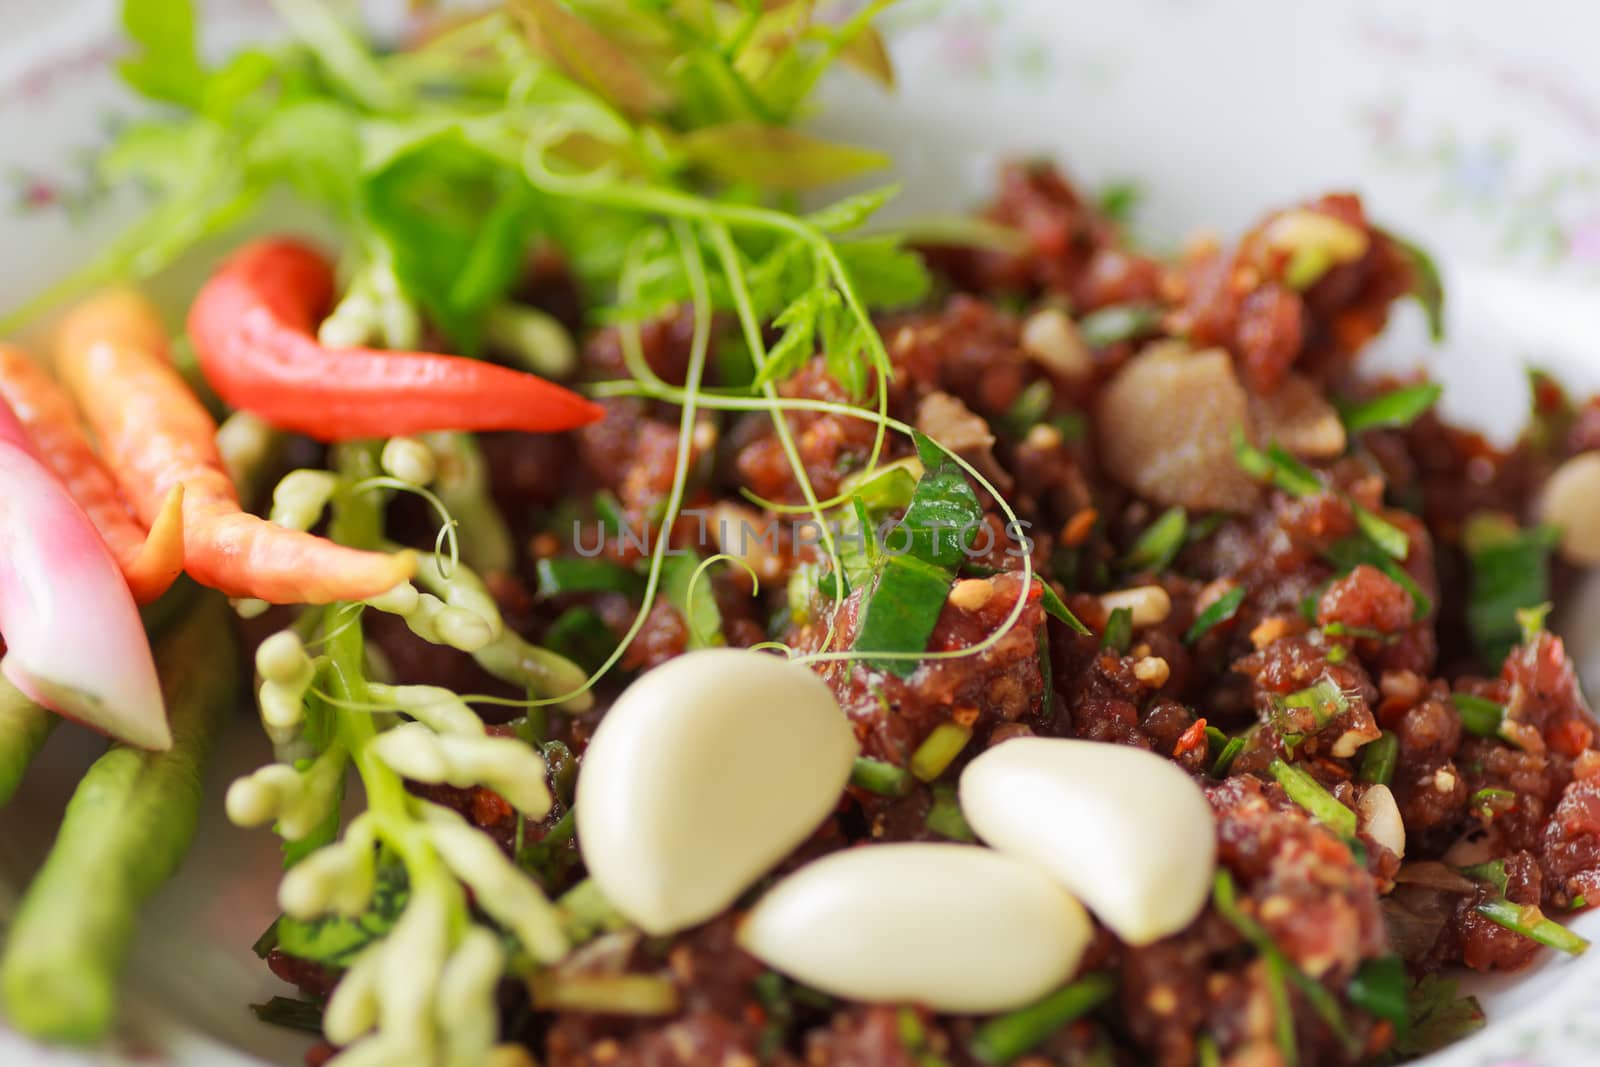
(704, 774)
(955, 927)
(1571, 502)
(1379, 818)
(1127, 831)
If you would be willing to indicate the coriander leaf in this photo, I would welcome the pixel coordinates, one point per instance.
(1379, 988)
(694, 600)
(776, 157)
(167, 65)
(942, 514)
(1401, 407)
(314, 145)
(591, 57)
(885, 274)
(456, 224)
(851, 212)
(1439, 1017)
(344, 55)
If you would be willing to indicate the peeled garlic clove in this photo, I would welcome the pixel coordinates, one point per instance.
(1571, 502)
(955, 927)
(704, 774)
(1127, 831)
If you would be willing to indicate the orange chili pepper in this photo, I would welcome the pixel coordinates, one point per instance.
(150, 562)
(112, 355)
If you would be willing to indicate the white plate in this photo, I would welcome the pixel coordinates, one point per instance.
(1469, 131)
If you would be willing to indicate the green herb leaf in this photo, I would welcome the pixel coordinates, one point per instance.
(1229, 752)
(1221, 610)
(1276, 466)
(302, 1015)
(1159, 544)
(1057, 608)
(592, 58)
(1509, 572)
(582, 636)
(776, 157)
(943, 511)
(1399, 407)
(902, 610)
(564, 575)
(334, 940)
(886, 275)
(167, 65)
(1379, 988)
(852, 212)
(695, 601)
(1493, 872)
(1439, 1017)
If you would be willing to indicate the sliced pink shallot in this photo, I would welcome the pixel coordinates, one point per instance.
(73, 638)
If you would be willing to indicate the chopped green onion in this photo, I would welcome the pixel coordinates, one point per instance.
(1480, 716)
(1530, 922)
(603, 994)
(1029, 409)
(303, 1015)
(1398, 408)
(1221, 610)
(902, 611)
(1491, 802)
(1378, 759)
(1381, 532)
(881, 777)
(1225, 758)
(1282, 1009)
(1119, 322)
(1379, 988)
(1426, 284)
(1119, 630)
(1493, 872)
(1159, 544)
(1579, 902)
(1057, 608)
(1532, 621)
(586, 913)
(1006, 1037)
(1322, 701)
(939, 749)
(559, 576)
(1276, 466)
(945, 818)
(1309, 793)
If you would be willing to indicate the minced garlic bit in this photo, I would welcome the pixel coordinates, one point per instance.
(1152, 671)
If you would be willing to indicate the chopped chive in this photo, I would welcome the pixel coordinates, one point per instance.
(1216, 740)
(586, 913)
(1221, 610)
(1225, 898)
(1007, 1037)
(1378, 759)
(1276, 466)
(1160, 543)
(293, 1014)
(1057, 608)
(1491, 802)
(1480, 716)
(1579, 902)
(1379, 988)
(1225, 758)
(945, 818)
(1029, 409)
(603, 994)
(1398, 408)
(1493, 872)
(880, 777)
(1381, 532)
(559, 576)
(1204, 527)
(1309, 793)
(1530, 922)
(1282, 1009)
(939, 749)
(1119, 630)
(1119, 322)
(901, 612)
(1426, 285)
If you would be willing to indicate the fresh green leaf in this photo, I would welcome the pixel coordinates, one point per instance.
(1118, 201)
(1492, 872)
(885, 274)
(562, 575)
(1439, 1017)
(334, 940)
(1510, 571)
(1057, 609)
(1221, 610)
(902, 610)
(582, 636)
(695, 601)
(315, 146)
(1159, 544)
(1379, 988)
(1397, 408)
(776, 157)
(302, 1015)
(943, 513)
(852, 212)
(167, 64)
(590, 57)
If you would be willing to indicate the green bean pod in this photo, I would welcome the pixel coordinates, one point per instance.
(24, 726)
(125, 831)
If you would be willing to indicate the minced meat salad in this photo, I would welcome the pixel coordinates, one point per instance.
(1321, 602)
(986, 642)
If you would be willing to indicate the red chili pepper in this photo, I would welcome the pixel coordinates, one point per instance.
(254, 325)
(1192, 738)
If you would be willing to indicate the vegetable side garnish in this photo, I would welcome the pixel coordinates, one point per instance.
(610, 749)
